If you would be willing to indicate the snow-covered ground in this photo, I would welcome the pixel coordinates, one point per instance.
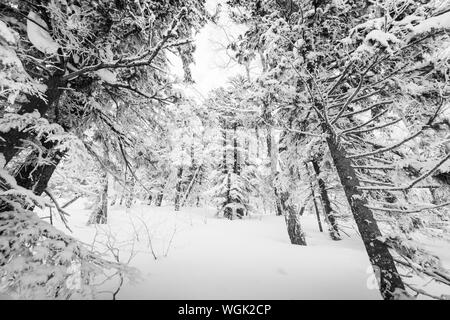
(200, 256)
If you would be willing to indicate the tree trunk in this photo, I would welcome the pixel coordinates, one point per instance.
(227, 211)
(12, 140)
(313, 194)
(130, 193)
(149, 200)
(292, 219)
(100, 214)
(159, 197)
(272, 152)
(224, 151)
(328, 211)
(191, 184)
(200, 178)
(35, 177)
(258, 154)
(178, 188)
(237, 165)
(316, 208)
(382, 262)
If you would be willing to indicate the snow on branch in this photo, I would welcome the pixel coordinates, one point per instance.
(413, 183)
(372, 119)
(376, 128)
(61, 211)
(355, 92)
(367, 109)
(439, 22)
(385, 149)
(144, 59)
(410, 210)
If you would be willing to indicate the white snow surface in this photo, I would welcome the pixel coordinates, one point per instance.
(215, 258)
(201, 256)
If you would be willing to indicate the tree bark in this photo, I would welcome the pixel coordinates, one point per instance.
(130, 192)
(227, 211)
(100, 214)
(258, 154)
(34, 176)
(159, 197)
(294, 228)
(191, 184)
(178, 188)
(313, 194)
(200, 178)
(149, 200)
(272, 152)
(328, 211)
(382, 262)
(237, 165)
(12, 140)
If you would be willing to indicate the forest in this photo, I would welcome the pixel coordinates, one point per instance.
(313, 163)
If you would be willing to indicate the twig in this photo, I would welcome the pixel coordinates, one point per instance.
(61, 211)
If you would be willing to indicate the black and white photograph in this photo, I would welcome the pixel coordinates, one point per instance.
(235, 152)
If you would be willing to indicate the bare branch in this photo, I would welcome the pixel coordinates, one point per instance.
(376, 128)
(410, 211)
(386, 149)
(61, 211)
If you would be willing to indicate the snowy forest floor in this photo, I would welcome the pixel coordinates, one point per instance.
(201, 256)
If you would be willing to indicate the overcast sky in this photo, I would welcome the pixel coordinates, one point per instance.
(212, 66)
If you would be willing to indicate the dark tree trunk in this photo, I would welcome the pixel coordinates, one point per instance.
(100, 214)
(149, 200)
(130, 192)
(328, 211)
(196, 172)
(379, 255)
(257, 142)
(178, 189)
(200, 178)
(159, 198)
(278, 202)
(227, 211)
(269, 143)
(247, 151)
(224, 151)
(237, 165)
(313, 194)
(292, 219)
(12, 140)
(272, 153)
(193, 171)
(35, 177)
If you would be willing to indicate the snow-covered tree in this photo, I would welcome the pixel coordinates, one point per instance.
(352, 74)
